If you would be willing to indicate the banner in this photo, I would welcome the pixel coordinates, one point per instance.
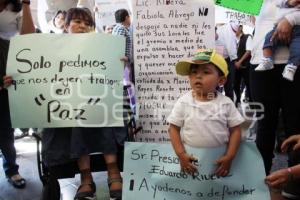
(152, 172)
(165, 32)
(66, 80)
(247, 6)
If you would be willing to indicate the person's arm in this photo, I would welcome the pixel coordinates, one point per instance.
(291, 3)
(285, 26)
(283, 31)
(185, 159)
(27, 22)
(292, 140)
(230, 44)
(282, 176)
(293, 18)
(246, 55)
(224, 163)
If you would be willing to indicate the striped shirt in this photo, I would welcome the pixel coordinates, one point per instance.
(119, 29)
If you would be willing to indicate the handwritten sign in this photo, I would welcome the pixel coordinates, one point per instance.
(247, 6)
(165, 32)
(105, 12)
(224, 15)
(66, 80)
(152, 172)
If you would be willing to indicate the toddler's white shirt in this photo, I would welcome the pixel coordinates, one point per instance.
(205, 124)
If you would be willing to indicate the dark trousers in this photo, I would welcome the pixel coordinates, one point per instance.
(274, 93)
(294, 158)
(292, 186)
(8, 151)
(228, 87)
(242, 73)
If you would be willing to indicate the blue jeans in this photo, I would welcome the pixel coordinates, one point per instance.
(8, 151)
(293, 45)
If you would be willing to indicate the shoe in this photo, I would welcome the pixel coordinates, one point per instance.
(17, 182)
(289, 72)
(267, 64)
(90, 195)
(115, 194)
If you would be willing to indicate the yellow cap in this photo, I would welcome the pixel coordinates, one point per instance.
(202, 57)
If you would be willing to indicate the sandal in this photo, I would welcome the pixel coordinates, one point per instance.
(115, 194)
(17, 183)
(90, 195)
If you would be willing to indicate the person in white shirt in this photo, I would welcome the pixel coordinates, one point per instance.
(204, 117)
(227, 34)
(270, 90)
(271, 44)
(12, 22)
(242, 65)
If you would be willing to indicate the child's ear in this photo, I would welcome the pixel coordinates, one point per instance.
(222, 81)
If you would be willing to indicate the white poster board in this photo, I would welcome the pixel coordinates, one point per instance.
(105, 12)
(224, 15)
(165, 32)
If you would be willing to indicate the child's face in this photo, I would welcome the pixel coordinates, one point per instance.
(78, 26)
(204, 79)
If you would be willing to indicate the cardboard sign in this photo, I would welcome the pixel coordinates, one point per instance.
(66, 80)
(152, 172)
(165, 32)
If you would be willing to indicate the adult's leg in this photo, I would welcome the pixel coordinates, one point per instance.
(228, 87)
(114, 138)
(237, 85)
(9, 152)
(290, 99)
(264, 87)
(114, 176)
(87, 187)
(246, 77)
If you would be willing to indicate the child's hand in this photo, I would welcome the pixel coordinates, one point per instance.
(224, 164)
(186, 163)
(7, 81)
